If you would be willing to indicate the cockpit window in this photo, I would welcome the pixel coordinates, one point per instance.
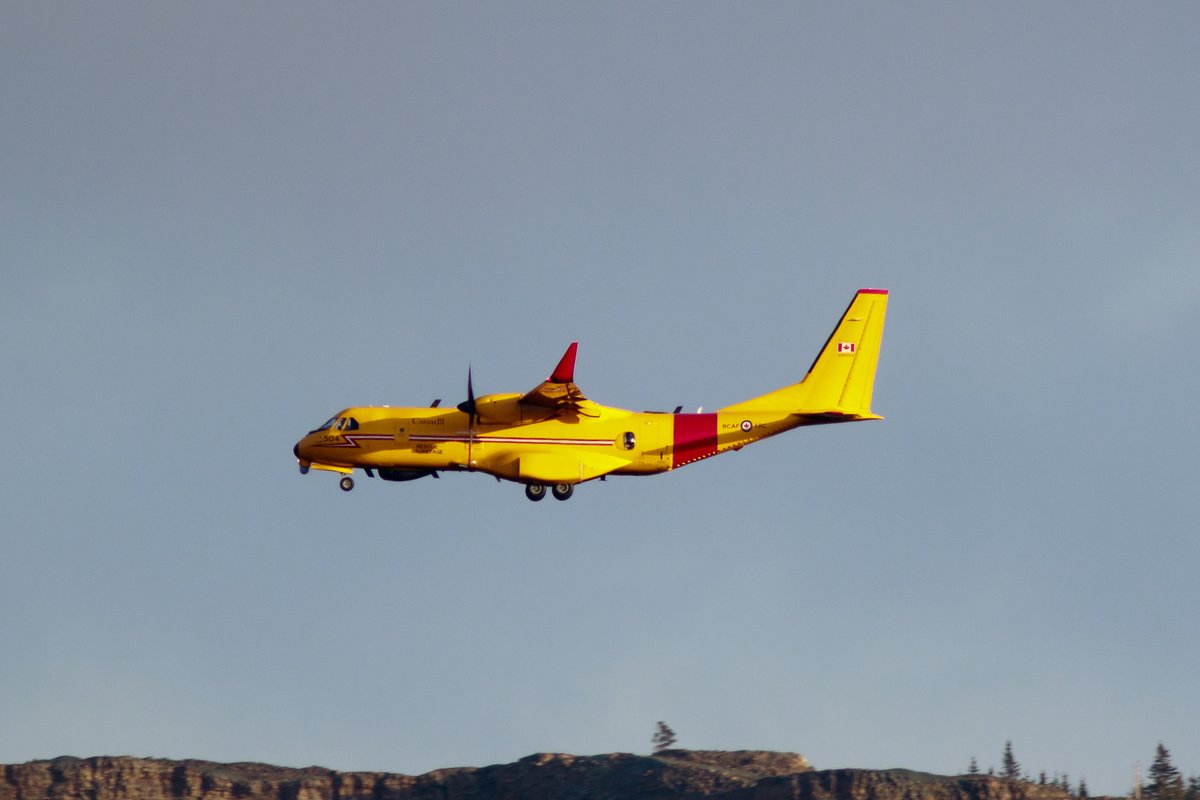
(338, 423)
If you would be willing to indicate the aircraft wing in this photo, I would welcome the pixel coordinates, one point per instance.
(559, 391)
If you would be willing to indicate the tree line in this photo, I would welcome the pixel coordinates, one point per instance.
(1165, 781)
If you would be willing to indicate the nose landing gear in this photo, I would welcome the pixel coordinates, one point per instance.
(347, 483)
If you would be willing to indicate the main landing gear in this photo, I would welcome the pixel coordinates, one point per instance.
(534, 491)
(561, 491)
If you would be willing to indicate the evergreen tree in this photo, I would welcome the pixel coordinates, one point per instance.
(1010, 769)
(1193, 788)
(1042, 778)
(663, 738)
(1082, 794)
(1166, 783)
(973, 769)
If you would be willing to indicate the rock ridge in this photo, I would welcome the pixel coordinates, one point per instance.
(666, 775)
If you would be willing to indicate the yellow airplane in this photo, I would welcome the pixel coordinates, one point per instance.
(554, 437)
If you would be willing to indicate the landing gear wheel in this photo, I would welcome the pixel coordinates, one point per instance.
(563, 491)
(535, 491)
(347, 483)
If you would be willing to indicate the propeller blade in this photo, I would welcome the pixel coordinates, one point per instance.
(468, 406)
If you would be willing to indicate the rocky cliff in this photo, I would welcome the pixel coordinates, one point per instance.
(668, 775)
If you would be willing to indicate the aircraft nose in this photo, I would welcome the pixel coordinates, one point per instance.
(296, 450)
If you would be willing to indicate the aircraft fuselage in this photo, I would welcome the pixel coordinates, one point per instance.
(553, 436)
(609, 441)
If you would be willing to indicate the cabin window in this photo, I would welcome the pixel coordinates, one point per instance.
(351, 424)
(328, 424)
(629, 440)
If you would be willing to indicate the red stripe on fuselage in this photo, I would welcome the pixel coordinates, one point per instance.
(695, 438)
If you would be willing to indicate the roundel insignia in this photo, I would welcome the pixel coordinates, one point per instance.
(747, 425)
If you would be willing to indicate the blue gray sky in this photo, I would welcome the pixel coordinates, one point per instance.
(223, 222)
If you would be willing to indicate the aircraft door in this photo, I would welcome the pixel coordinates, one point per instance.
(652, 442)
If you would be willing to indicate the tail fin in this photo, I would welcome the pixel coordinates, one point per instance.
(842, 377)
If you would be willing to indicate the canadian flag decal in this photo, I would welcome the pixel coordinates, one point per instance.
(846, 347)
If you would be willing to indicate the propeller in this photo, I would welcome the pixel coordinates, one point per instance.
(468, 406)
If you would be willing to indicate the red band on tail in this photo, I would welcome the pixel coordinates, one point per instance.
(695, 438)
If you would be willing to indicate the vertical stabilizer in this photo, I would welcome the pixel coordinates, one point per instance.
(842, 377)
